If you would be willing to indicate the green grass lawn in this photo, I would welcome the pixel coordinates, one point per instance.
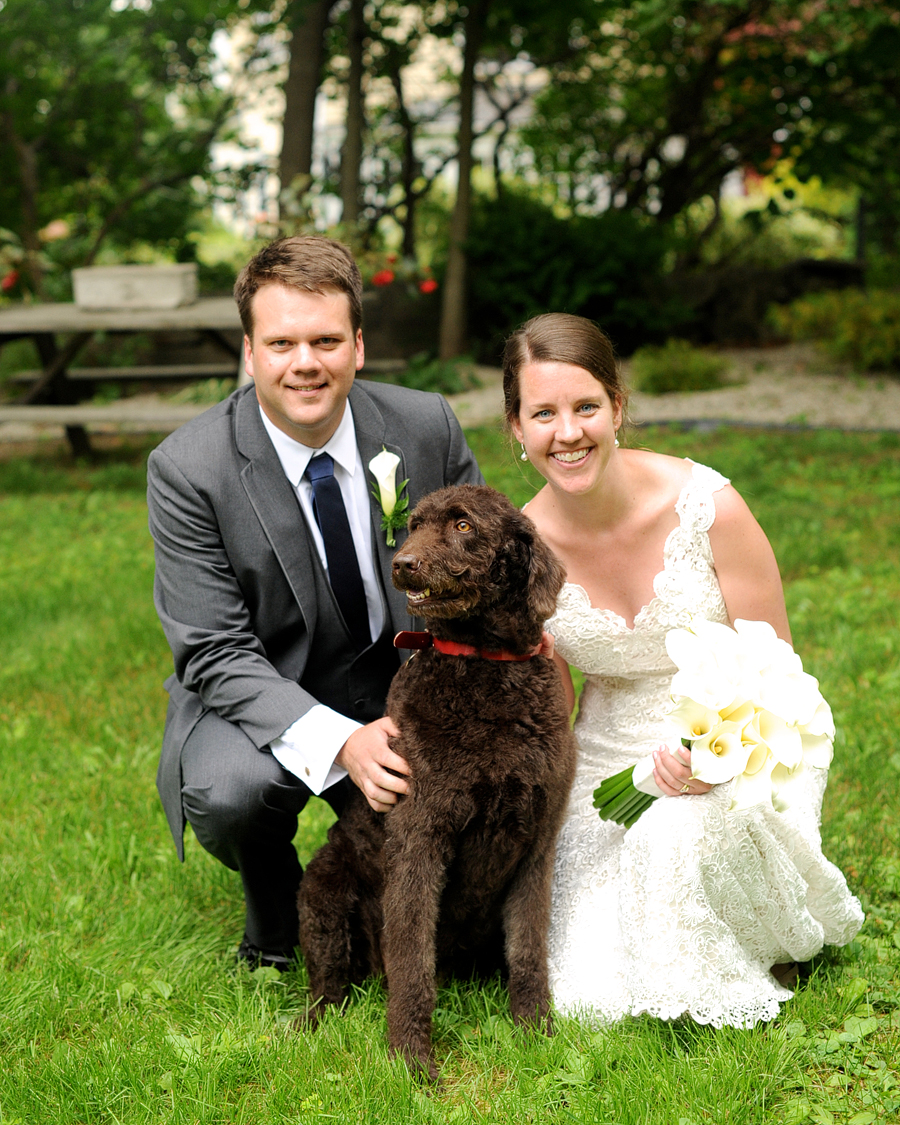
(119, 997)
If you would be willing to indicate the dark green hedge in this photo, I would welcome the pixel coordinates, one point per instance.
(524, 260)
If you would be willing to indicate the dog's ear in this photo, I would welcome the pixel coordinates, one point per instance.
(546, 574)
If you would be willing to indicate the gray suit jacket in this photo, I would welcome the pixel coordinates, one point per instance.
(235, 588)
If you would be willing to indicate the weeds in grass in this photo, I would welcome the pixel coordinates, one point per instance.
(120, 1000)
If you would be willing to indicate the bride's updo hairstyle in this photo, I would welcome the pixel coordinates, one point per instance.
(560, 338)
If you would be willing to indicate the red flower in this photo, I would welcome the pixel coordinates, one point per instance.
(383, 277)
(428, 285)
(9, 281)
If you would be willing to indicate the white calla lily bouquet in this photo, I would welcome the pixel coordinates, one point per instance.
(745, 709)
(394, 506)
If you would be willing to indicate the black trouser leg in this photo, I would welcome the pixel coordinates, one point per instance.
(243, 806)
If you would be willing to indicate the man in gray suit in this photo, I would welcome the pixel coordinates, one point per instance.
(273, 580)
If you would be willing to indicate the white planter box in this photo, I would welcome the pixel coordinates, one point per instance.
(135, 287)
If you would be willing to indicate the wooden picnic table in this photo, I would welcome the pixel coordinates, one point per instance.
(61, 330)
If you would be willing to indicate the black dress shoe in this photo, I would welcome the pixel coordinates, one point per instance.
(256, 958)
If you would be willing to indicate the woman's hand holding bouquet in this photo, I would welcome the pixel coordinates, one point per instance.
(746, 710)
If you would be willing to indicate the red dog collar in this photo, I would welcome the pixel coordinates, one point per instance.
(413, 640)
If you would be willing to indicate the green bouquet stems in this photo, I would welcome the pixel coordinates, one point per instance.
(618, 800)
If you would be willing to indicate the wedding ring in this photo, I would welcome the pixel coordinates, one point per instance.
(686, 788)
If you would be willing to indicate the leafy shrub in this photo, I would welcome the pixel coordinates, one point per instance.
(767, 234)
(215, 278)
(883, 271)
(17, 355)
(862, 328)
(676, 366)
(205, 392)
(524, 259)
(448, 377)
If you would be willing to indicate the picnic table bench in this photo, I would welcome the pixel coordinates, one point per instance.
(61, 330)
(57, 391)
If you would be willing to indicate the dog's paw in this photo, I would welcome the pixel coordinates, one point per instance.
(310, 1019)
(535, 1022)
(421, 1063)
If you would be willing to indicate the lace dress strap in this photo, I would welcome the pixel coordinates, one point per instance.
(687, 586)
(696, 506)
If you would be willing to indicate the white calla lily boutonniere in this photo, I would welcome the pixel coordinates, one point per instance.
(387, 492)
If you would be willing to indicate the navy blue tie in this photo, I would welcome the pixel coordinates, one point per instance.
(343, 567)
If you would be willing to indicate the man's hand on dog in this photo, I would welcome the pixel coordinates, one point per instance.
(373, 766)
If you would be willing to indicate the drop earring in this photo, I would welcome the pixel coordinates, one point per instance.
(523, 456)
(617, 439)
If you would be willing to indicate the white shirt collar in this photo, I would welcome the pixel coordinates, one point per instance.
(294, 456)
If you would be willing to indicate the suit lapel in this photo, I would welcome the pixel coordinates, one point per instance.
(273, 499)
(371, 438)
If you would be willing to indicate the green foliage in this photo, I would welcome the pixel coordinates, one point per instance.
(849, 135)
(424, 372)
(778, 221)
(601, 267)
(121, 999)
(765, 236)
(115, 349)
(664, 97)
(205, 392)
(883, 271)
(405, 139)
(107, 116)
(676, 366)
(862, 328)
(17, 355)
(216, 278)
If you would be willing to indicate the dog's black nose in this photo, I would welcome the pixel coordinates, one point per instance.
(408, 563)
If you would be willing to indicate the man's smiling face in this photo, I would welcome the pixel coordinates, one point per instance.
(303, 357)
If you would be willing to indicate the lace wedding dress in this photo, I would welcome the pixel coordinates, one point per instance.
(685, 912)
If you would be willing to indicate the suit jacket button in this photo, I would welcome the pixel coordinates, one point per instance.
(360, 703)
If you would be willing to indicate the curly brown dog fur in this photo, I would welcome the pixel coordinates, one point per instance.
(457, 874)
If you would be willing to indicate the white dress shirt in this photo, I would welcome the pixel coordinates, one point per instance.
(309, 746)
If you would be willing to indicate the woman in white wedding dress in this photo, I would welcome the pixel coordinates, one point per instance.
(690, 910)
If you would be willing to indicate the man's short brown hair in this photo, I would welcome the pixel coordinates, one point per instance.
(309, 262)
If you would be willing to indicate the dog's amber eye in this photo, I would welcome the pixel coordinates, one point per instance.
(464, 525)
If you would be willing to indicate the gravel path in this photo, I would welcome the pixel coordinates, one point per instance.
(788, 386)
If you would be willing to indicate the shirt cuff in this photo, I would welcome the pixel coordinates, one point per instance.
(308, 747)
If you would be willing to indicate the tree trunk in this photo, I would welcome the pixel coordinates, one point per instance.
(861, 217)
(409, 167)
(309, 21)
(351, 153)
(453, 336)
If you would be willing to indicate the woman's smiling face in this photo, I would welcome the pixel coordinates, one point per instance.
(567, 423)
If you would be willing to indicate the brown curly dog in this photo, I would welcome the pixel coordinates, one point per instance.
(456, 876)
